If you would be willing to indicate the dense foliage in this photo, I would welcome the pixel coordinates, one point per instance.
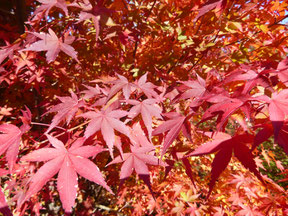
(155, 107)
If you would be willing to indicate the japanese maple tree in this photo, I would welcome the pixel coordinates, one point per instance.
(177, 91)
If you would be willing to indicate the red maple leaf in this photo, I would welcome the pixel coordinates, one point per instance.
(225, 107)
(67, 163)
(267, 131)
(53, 45)
(94, 12)
(225, 145)
(251, 76)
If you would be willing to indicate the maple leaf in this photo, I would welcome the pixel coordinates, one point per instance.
(248, 211)
(4, 208)
(138, 137)
(10, 137)
(225, 107)
(236, 199)
(91, 91)
(26, 120)
(283, 70)
(278, 110)
(239, 180)
(262, 135)
(251, 76)
(174, 126)
(121, 83)
(94, 12)
(193, 209)
(53, 45)
(147, 108)
(66, 109)
(67, 163)
(210, 5)
(138, 158)
(5, 111)
(146, 87)
(225, 145)
(219, 211)
(106, 121)
(7, 51)
(47, 5)
(196, 88)
(267, 131)
(25, 60)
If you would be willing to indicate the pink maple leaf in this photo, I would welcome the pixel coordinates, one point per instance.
(278, 110)
(24, 60)
(91, 91)
(248, 211)
(67, 163)
(173, 126)
(148, 109)
(283, 70)
(106, 121)
(146, 87)
(225, 107)
(138, 158)
(4, 208)
(47, 5)
(196, 88)
(66, 109)
(10, 137)
(210, 5)
(53, 45)
(7, 51)
(138, 137)
(121, 83)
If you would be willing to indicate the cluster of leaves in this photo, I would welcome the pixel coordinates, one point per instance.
(154, 86)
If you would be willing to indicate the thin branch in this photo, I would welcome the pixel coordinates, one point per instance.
(69, 130)
(47, 125)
